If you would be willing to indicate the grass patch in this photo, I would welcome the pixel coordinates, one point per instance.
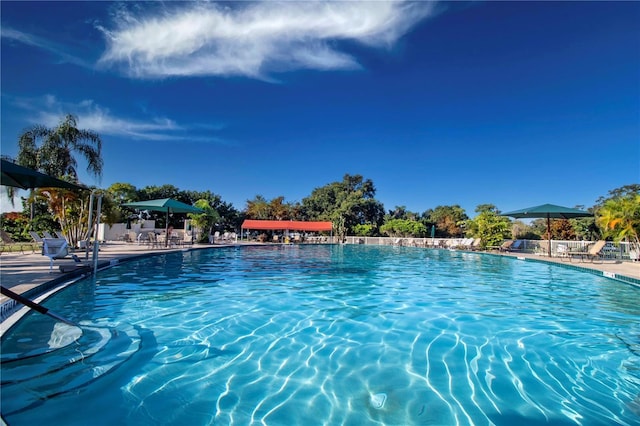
(19, 248)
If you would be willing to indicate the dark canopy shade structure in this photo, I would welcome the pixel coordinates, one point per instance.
(287, 225)
(167, 205)
(17, 176)
(547, 211)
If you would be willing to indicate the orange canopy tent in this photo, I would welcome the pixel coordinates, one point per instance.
(287, 225)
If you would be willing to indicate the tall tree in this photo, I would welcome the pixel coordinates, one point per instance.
(620, 218)
(562, 229)
(258, 208)
(490, 227)
(204, 222)
(347, 204)
(449, 220)
(55, 154)
(279, 209)
(401, 212)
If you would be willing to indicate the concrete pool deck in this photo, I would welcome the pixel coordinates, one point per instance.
(28, 273)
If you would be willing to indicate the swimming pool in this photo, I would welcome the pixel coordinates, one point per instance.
(330, 335)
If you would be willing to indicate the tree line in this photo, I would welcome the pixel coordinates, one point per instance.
(350, 204)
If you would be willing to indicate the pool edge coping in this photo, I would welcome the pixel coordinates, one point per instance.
(606, 274)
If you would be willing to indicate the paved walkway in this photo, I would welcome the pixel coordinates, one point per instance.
(26, 273)
(626, 271)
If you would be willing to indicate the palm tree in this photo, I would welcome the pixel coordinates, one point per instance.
(55, 154)
(620, 218)
(258, 208)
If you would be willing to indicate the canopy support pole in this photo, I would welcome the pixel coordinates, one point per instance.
(89, 227)
(549, 233)
(96, 243)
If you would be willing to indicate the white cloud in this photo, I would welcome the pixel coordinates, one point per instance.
(255, 38)
(44, 44)
(48, 111)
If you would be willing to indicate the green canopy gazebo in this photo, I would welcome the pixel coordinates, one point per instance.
(18, 176)
(167, 205)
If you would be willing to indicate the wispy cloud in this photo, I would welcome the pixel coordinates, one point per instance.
(59, 51)
(254, 39)
(49, 110)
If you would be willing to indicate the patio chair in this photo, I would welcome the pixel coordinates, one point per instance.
(155, 241)
(48, 235)
(562, 251)
(54, 248)
(594, 252)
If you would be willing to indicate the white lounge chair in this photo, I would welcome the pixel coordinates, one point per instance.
(54, 248)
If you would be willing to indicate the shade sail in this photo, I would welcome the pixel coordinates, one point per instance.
(18, 176)
(288, 225)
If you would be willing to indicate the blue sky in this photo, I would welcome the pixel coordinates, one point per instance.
(510, 103)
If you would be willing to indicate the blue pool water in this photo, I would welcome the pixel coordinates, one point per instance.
(336, 335)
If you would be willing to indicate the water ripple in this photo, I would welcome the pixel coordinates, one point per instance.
(306, 335)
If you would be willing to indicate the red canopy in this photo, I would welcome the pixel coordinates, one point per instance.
(289, 225)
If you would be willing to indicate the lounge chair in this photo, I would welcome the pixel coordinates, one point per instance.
(7, 242)
(476, 244)
(48, 235)
(516, 246)
(594, 252)
(54, 248)
(467, 244)
(214, 237)
(506, 245)
(37, 238)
